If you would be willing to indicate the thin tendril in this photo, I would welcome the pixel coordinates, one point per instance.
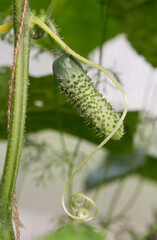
(82, 214)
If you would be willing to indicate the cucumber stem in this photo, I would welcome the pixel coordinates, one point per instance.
(17, 123)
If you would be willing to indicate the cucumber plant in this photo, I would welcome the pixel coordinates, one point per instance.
(79, 89)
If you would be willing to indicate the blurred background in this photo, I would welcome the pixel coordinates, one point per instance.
(121, 36)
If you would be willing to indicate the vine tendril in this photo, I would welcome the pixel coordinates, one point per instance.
(79, 202)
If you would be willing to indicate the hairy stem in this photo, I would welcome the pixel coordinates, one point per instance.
(17, 124)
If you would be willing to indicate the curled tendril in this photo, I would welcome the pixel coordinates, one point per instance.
(81, 204)
(82, 208)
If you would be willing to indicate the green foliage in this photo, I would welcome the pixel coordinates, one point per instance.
(72, 17)
(5, 10)
(149, 170)
(39, 6)
(135, 18)
(77, 232)
(76, 15)
(138, 18)
(81, 21)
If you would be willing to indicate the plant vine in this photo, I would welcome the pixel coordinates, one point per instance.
(16, 117)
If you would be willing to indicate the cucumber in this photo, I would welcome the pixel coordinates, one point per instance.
(82, 93)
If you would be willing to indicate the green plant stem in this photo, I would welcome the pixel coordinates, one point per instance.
(17, 124)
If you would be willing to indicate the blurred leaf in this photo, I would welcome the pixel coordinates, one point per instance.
(139, 17)
(33, 4)
(39, 5)
(115, 166)
(149, 170)
(48, 109)
(5, 14)
(77, 232)
(80, 21)
(5, 4)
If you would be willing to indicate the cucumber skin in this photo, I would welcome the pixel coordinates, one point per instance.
(82, 93)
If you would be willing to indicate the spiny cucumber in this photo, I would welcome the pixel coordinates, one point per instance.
(82, 93)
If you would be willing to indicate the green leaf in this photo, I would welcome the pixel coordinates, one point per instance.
(149, 170)
(38, 5)
(5, 4)
(48, 109)
(82, 20)
(5, 11)
(138, 18)
(77, 232)
(114, 167)
(79, 21)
